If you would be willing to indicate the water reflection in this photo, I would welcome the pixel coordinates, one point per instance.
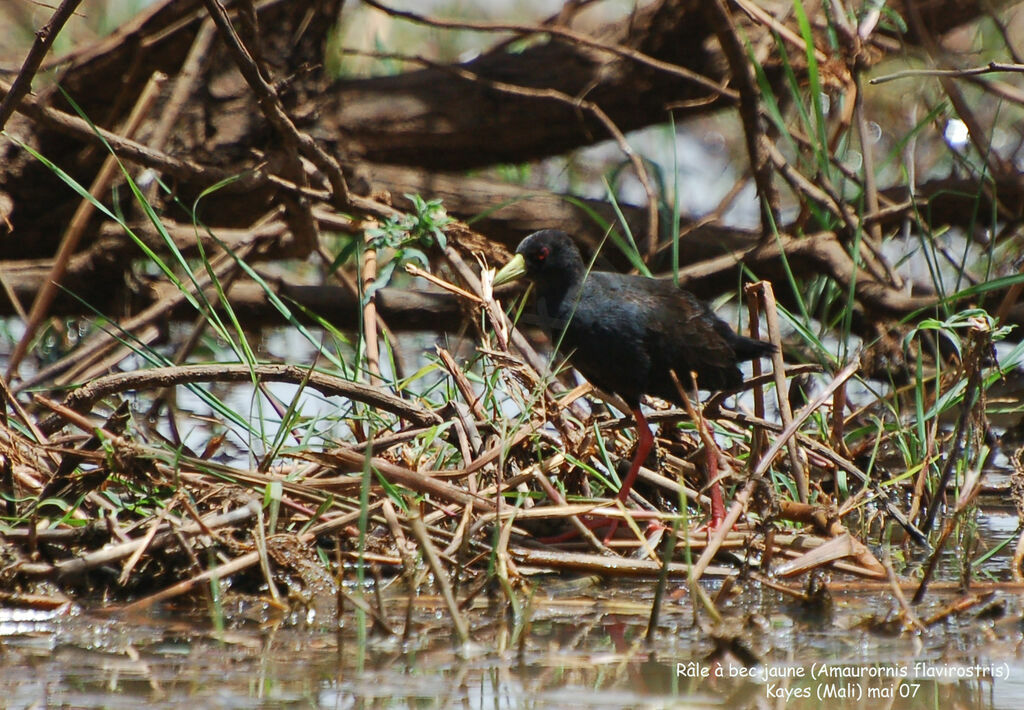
(578, 652)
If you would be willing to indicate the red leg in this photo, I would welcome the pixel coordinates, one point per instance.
(717, 505)
(645, 440)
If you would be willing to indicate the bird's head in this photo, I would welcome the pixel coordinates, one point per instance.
(546, 256)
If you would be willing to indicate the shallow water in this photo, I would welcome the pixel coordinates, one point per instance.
(583, 651)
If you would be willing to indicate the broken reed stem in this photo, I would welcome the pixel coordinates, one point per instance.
(419, 531)
(758, 436)
(771, 316)
(370, 313)
(978, 345)
(713, 454)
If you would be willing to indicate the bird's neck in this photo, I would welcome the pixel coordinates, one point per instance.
(556, 300)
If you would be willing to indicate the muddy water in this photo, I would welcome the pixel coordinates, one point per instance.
(577, 651)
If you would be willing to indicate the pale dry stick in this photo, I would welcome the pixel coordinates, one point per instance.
(113, 553)
(459, 537)
(771, 316)
(711, 450)
(897, 592)
(582, 530)
(607, 509)
(505, 567)
(370, 313)
(441, 283)
(221, 571)
(401, 544)
(482, 285)
(408, 563)
(461, 383)
(605, 565)
(503, 327)
(343, 278)
(77, 226)
(133, 560)
(340, 521)
(672, 486)
(789, 431)
(419, 531)
(416, 481)
(832, 550)
(261, 547)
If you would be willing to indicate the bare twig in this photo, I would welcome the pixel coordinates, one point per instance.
(753, 126)
(44, 40)
(559, 30)
(990, 68)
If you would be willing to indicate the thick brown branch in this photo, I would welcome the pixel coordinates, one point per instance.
(83, 398)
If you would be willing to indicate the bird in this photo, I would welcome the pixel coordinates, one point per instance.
(626, 334)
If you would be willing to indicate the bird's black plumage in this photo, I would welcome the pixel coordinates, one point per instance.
(625, 333)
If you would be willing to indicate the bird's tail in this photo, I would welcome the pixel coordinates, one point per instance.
(749, 348)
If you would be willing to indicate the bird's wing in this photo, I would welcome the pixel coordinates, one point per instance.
(685, 335)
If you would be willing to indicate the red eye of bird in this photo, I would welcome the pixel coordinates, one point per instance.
(542, 253)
